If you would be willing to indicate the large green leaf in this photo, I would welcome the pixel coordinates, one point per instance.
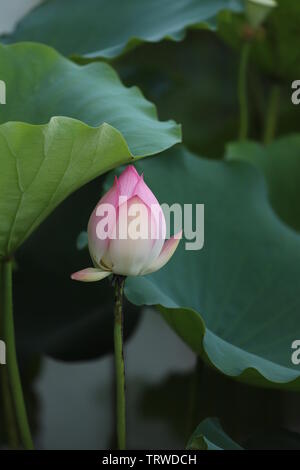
(42, 164)
(42, 84)
(280, 164)
(209, 435)
(106, 28)
(235, 302)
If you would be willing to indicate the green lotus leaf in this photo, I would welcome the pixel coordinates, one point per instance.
(43, 161)
(235, 302)
(280, 164)
(209, 435)
(41, 83)
(101, 28)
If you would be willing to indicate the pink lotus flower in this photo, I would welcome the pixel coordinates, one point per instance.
(127, 231)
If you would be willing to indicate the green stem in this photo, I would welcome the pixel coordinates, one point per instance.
(119, 362)
(8, 410)
(242, 91)
(272, 114)
(11, 356)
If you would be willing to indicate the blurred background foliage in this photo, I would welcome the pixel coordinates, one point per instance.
(194, 81)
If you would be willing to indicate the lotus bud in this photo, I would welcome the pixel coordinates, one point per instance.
(127, 231)
(258, 10)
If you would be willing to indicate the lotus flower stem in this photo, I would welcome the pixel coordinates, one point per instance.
(119, 282)
(126, 237)
(11, 356)
(9, 412)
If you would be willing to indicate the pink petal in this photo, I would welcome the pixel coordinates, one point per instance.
(146, 195)
(128, 256)
(112, 195)
(127, 181)
(98, 246)
(165, 254)
(90, 275)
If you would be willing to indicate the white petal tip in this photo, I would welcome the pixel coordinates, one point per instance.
(178, 235)
(90, 275)
(166, 254)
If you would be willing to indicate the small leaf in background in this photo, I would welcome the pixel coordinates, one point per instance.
(209, 435)
(82, 241)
